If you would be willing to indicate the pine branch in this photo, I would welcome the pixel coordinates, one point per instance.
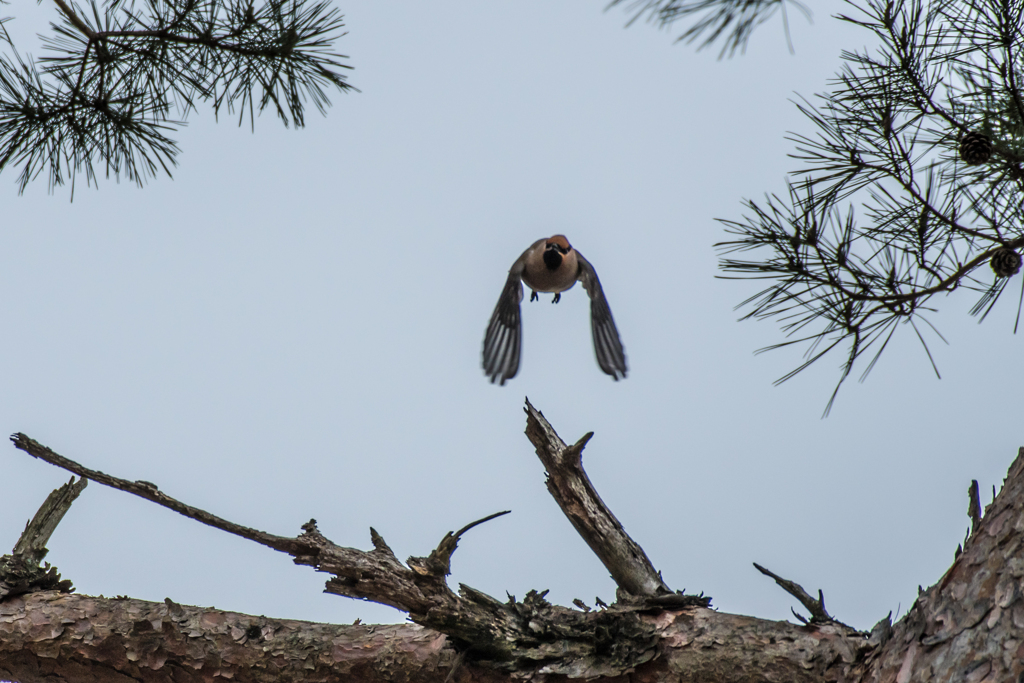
(925, 136)
(104, 94)
(731, 21)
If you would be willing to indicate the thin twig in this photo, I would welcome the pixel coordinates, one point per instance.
(151, 493)
(439, 560)
(815, 606)
(460, 532)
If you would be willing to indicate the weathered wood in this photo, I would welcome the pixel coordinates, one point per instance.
(150, 492)
(32, 543)
(974, 506)
(440, 559)
(819, 615)
(20, 572)
(970, 625)
(48, 636)
(517, 635)
(968, 628)
(74, 637)
(571, 488)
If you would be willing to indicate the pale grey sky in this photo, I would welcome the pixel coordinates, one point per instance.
(291, 328)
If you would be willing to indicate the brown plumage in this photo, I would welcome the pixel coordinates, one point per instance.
(549, 265)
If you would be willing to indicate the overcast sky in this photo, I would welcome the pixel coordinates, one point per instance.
(291, 328)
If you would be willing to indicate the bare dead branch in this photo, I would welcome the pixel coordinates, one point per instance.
(514, 636)
(377, 575)
(20, 571)
(815, 606)
(439, 561)
(571, 488)
(32, 544)
(959, 629)
(150, 492)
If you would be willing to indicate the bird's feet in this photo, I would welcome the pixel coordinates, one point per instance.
(533, 296)
(558, 297)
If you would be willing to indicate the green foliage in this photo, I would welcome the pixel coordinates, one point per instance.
(107, 91)
(888, 141)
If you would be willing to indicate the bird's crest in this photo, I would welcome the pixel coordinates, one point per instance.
(560, 241)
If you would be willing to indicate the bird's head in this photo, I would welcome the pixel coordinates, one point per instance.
(555, 248)
(558, 243)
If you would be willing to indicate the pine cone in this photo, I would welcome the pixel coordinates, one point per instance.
(975, 148)
(1006, 262)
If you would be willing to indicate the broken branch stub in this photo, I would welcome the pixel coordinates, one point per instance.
(32, 543)
(974, 505)
(20, 571)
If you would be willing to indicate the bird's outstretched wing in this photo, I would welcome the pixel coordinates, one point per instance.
(607, 345)
(505, 333)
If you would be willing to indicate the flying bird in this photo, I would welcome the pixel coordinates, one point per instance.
(549, 265)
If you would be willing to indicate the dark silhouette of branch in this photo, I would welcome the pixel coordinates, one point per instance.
(32, 543)
(150, 492)
(815, 606)
(487, 640)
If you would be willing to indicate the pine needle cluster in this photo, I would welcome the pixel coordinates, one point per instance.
(911, 186)
(116, 81)
(729, 21)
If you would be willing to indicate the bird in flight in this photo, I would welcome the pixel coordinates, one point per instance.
(549, 265)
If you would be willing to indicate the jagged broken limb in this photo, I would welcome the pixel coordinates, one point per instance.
(32, 543)
(20, 572)
(572, 489)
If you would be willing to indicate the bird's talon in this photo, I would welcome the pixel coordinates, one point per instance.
(534, 297)
(558, 297)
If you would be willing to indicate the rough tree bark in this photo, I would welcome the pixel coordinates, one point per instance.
(968, 627)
